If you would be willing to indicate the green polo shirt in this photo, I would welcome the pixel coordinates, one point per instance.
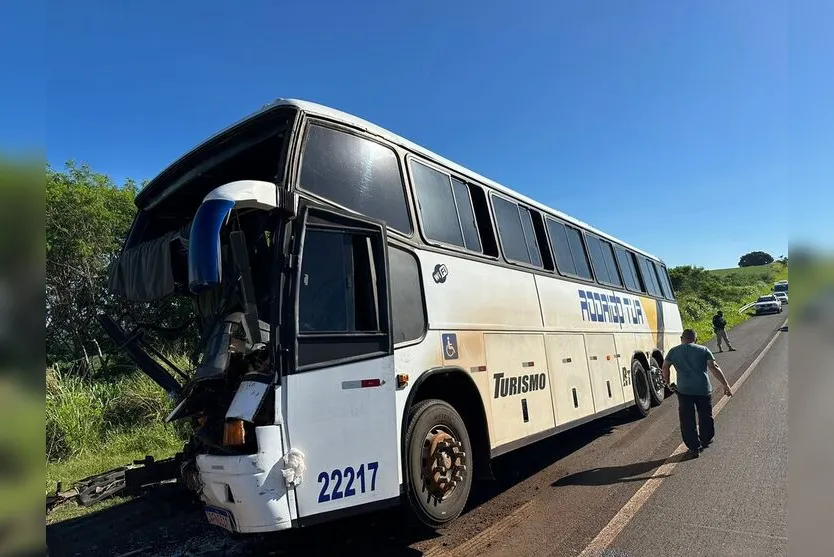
(690, 361)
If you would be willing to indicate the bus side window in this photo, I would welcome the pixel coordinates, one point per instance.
(597, 259)
(516, 232)
(337, 284)
(649, 278)
(446, 208)
(343, 297)
(356, 173)
(407, 308)
(325, 300)
(663, 281)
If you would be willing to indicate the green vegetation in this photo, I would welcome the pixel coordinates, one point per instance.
(88, 217)
(755, 259)
(96, 425)
(84, 416)
(100, 412)
(701, 293)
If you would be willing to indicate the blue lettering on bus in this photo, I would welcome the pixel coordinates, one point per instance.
(639, 308)
(610, 308)
(583, 306)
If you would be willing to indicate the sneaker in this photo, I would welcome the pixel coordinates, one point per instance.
(732, 349)
(693, 453)
(705, 446)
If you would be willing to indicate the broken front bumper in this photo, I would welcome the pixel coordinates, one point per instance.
(247, 493)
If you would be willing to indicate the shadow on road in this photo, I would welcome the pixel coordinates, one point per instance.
(521, 464)
(636, 472)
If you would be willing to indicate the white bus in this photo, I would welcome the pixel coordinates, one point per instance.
(376, 323)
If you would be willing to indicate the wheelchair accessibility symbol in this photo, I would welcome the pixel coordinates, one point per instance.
(450, 346)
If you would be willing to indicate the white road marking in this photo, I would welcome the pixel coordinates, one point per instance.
(630, 509)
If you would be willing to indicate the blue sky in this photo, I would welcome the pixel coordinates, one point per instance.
(674, 126)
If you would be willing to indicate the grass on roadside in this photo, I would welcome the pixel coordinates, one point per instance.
(122, 448)
(757, 271)
(96, 425)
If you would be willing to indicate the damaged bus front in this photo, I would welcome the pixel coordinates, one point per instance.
(212, 229)
(271, 393)
(230, 396)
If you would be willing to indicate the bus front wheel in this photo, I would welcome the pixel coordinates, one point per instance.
(438, 462)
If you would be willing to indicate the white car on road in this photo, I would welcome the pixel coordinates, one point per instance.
(782, 297)
(768, 303)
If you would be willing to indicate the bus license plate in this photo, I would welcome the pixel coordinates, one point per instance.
(220, 517)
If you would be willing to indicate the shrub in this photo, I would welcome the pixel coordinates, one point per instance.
(137, 401)
(74, 415)
(85, 415)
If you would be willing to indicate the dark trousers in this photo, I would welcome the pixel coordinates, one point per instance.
(688, 405)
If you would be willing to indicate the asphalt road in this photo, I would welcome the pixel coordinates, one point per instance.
(732, 500)
(555, 497)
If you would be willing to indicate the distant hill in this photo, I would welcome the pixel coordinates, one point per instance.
(758, 271)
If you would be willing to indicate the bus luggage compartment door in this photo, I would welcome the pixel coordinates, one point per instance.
(521, 401)
(604, 365)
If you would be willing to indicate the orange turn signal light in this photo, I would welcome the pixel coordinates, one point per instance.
(402, 380)
(233, 433)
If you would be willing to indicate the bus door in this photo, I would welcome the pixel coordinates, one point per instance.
(340, 393)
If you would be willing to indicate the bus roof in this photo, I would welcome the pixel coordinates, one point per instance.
(351, 120)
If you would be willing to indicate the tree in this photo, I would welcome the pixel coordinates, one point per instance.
(87, 219)
(755, 258)
(688, 278)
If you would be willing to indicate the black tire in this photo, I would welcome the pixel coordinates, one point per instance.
(657, 389)
(425, 417)
(641, 387)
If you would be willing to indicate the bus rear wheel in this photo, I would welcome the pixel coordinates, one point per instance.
(640, 384)
(438, 463)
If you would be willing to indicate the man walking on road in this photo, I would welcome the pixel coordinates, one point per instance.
(694, 390)
(718, 325)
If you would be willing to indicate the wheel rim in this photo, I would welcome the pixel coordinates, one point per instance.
(443, 462)
(657, 379)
